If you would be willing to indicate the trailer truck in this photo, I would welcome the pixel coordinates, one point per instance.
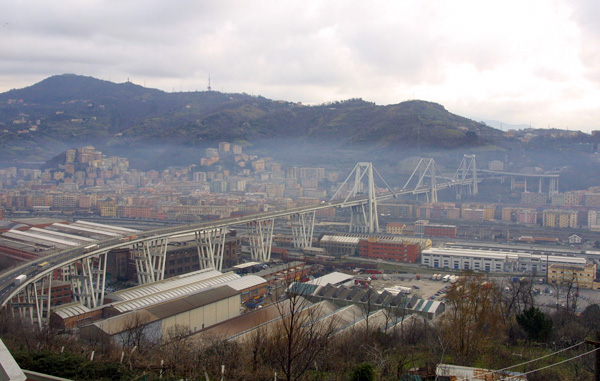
(20, 279)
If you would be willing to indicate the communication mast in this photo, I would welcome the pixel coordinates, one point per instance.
(208, 87)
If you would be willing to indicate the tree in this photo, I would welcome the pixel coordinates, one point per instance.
(591, 317)
(537, 326)
(473, 320)
(363, 372)
(517, 298)
(299, 336)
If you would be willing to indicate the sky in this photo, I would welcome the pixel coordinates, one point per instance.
(534, 62)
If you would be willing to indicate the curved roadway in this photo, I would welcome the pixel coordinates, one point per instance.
(8, 289)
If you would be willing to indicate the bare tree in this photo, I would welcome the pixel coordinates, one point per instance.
(474, 318)
(177, 349)
(299, 336)
(135, 333)
(516, 298)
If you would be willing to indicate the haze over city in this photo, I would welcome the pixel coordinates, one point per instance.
(519, 63)
(299, 190)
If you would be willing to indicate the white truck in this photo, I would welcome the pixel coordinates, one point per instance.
(446, 278)
(20, 279)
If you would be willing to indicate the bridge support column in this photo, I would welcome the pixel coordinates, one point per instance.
(211, 246)
(88, 278)
(260, 236)
(553, 186)
(359, 220)
(150, 259)
(303, 225)
(33, 302)
(540, 185)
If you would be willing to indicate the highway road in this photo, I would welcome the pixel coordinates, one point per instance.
(8, 288)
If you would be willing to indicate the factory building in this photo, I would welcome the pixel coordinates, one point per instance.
(341, 245)
(495, 261)
(389, 250)
(183, 298)
(190, 313)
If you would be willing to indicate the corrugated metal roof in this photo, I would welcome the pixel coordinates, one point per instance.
(247, 264)
(246, 282)
(70, 310)
(502, 255)
(147, 295)
(177, 306)
(340, 239)
(120, 323)
(331, 278)
(167, 284)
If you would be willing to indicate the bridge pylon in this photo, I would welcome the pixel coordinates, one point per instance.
(303, 225)
(150, 260)
(211, 246)
(363, 217)
(260, 238)
(466, 176)
(428, 177)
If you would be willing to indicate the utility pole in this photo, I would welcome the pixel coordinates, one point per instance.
(596, 345)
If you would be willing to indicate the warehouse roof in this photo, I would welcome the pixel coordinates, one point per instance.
(335, 278)
(246, 282)
(503, 255)
(177, 282)
(70, 310)
(190, 302)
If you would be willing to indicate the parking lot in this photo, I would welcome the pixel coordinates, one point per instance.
(425, 288)
(428, 288)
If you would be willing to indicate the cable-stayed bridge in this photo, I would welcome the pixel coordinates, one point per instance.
(85, 266)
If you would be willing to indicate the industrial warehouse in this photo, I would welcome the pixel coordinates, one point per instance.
(496, 261)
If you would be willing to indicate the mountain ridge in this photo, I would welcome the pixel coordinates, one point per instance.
(71, 109)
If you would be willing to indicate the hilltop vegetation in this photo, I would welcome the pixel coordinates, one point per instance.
(42, 120)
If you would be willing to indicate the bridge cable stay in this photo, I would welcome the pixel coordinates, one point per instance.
(467, 166)
(363, 217)
(427, 168)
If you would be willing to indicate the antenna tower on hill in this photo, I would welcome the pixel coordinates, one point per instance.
(208, 87)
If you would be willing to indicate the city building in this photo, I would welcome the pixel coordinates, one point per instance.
(531, 198)
(494, 260)
(594, 220)
(573, 276)
(437, 230)
(560, 218)
(341, 245)
(394, 228)
(477, 212)
(389, 250)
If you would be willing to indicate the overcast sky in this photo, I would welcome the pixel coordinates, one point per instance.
(519, 62)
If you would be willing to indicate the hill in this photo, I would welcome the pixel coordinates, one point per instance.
(66, 110)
